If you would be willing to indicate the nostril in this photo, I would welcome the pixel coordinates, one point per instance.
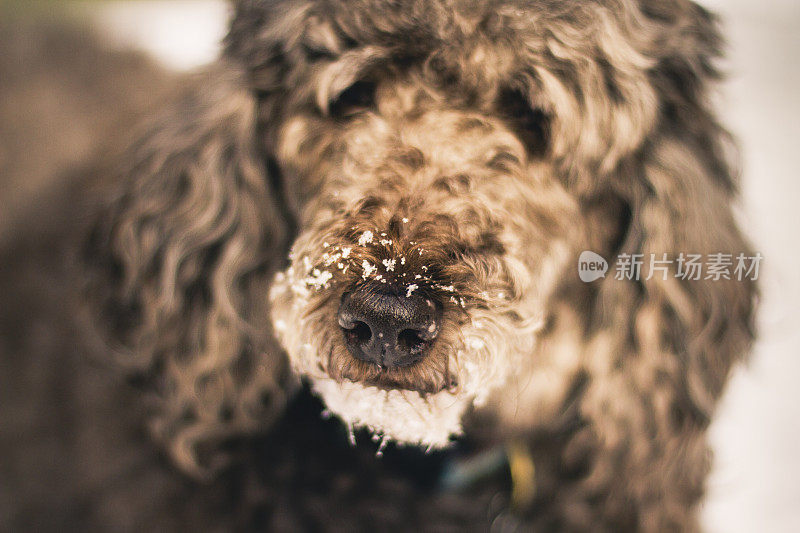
(359, 333)
(411, 341)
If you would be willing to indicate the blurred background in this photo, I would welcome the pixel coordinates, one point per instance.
(755, 485)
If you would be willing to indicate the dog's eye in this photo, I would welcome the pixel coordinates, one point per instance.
(358, 97)
(530, 124)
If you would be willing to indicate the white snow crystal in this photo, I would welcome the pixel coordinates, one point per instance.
(368, 269)
(319, 279)
(365, 238)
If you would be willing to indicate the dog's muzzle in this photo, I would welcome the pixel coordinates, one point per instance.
(387, 328)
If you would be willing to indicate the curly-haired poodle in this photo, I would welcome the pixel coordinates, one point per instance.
(332, 283)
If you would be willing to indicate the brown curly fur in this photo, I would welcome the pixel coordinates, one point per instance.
(511, 136)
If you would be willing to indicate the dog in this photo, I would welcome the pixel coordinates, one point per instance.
(333, 282)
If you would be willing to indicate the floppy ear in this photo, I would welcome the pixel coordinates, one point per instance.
(683, 203)
(663, 348)
(186, 249)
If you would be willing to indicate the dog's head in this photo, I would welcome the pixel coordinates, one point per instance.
(432, 171)
(433, 226)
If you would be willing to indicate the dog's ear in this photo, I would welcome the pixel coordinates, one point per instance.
(685, 205)
(186, 249)
(662, 347)
(681, 186)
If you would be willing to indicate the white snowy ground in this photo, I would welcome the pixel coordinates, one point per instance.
(756, 481)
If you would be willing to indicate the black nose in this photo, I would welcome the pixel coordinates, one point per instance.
(388, 330)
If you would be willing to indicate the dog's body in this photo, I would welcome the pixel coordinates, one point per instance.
(436, 168)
